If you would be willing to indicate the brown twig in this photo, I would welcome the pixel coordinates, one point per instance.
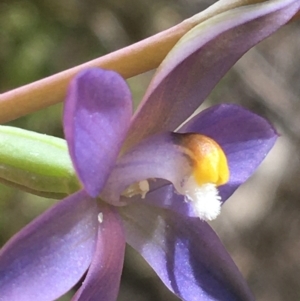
(129, 61)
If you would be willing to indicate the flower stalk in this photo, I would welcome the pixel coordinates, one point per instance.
(129, 61)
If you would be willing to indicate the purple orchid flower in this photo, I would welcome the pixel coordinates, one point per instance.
(87, 231)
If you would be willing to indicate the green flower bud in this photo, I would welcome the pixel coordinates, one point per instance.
(36, 163)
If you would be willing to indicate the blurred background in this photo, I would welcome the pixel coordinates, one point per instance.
(260, 224)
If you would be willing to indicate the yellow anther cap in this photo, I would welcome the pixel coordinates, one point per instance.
(207, 158)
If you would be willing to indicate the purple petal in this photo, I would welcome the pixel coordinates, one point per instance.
(245, 137)
(185, 253)
(97, 113)
(159, 156)
(103, 278)
(49, 256)
(200, 59)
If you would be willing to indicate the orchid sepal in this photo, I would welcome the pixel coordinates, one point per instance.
(49, 256)
(185, 253)
(200, 59)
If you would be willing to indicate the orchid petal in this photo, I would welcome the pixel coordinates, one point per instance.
(103, 277)
(245, 137)
(50, 255)
(97, 113)
(159, 156)
(185, 253)
(200, 59)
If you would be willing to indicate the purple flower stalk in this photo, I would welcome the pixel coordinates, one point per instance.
(116, 160)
